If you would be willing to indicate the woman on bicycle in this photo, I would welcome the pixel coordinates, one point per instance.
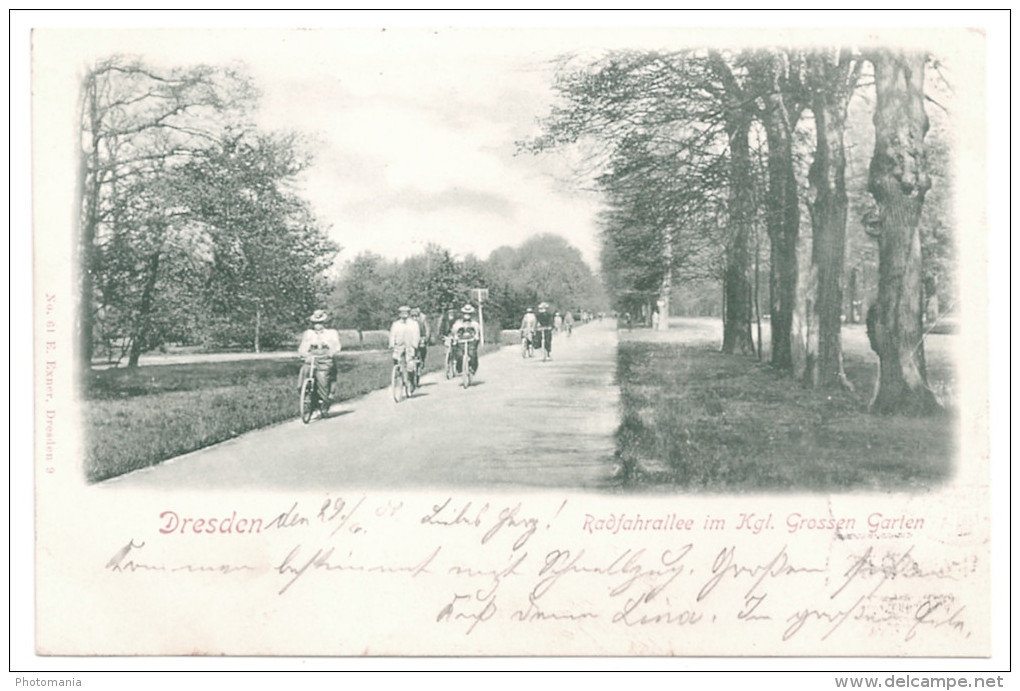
(324, 345)
(466, 333)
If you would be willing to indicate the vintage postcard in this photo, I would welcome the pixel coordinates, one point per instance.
(439, 340)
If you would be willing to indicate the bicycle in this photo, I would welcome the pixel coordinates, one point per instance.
(311, 399)
(527, 344)
(449, 366)
(400, 381)
(414, 376)
(545, 341)
(418, 370)
(465, 365)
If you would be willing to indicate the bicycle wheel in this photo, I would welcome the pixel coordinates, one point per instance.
(397, 384)
(307, 400)
(448, 365)
(465, 371)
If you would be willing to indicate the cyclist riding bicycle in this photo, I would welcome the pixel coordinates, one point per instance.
(324, 344)
(423, 329)
(446, 323)
(545, 329)
(528, 325)
(405, 336)
(466, 332)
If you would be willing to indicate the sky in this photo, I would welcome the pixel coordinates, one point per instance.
(418, 133)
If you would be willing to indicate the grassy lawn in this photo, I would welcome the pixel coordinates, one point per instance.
(695, 419)
(138, 417)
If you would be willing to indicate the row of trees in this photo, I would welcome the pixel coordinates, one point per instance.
(701, 150)
(544, 268)
(189, 228)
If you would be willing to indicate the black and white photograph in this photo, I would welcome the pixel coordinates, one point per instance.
(367, 335)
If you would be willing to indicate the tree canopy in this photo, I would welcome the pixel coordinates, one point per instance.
(543, 268)
(187, 229)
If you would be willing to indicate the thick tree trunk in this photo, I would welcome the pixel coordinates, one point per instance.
(737, 329)
(833, 80)
(144, 320)
(783, 225)
(898, 181)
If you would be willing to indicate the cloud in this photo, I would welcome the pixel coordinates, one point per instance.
(452, 199)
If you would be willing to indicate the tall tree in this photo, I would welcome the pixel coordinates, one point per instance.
(656, 126)
(441, 283)
(738, 114)
(659, 228)
(270, 254)
(776, 74)
(833, 77)
(153, 268)
(359, 298)
(135, 120)
(898, 181)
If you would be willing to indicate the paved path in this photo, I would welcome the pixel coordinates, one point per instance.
(523, 423)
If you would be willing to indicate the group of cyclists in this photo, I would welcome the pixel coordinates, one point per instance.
(410, 335)
(537, 329)
(409, 338)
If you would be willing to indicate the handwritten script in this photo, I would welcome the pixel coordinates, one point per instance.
(468, 566)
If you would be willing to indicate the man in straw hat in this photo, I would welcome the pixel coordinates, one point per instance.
(405, 335)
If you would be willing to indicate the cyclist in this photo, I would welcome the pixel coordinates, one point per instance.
(568, 322)
(545, 327)
(445, 324)
(423, 329)
(405, 336)
(528, 326)
(325, 345)
(466, 329)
